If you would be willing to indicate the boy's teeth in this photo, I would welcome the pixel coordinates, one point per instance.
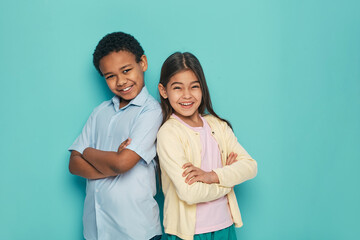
(125, 89)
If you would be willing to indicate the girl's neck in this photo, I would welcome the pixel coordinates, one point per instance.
(192, 121)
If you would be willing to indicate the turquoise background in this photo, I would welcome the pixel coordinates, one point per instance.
(285, 73)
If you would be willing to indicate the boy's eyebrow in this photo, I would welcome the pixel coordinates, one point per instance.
(197, 81)
(127, 65)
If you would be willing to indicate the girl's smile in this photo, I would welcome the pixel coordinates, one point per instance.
(187, 105)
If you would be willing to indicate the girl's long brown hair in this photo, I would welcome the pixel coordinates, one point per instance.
(179, 62)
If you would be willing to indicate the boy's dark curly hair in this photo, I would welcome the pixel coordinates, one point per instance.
(114, 42)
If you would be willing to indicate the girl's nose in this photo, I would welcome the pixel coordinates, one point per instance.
(187, 94)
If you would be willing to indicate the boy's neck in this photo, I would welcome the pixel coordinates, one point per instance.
(123, 103)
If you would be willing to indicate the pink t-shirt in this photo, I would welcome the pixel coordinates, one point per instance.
(215, 215)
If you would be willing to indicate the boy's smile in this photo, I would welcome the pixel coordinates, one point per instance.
(124, 76)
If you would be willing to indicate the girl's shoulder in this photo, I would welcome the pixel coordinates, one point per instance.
(214, 121)
(210, 117)
(171, 126)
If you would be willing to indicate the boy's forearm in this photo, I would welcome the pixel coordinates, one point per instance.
(111, 163)
(80, 167)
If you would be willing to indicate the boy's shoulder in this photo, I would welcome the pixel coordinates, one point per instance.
(101, 106)
(145, 101)
(151, 102)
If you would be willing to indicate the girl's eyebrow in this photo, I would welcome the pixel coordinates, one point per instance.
(197, 81)
(176, 83)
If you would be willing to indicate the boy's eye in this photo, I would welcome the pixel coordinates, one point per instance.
(109, 77)
(176, 88)
(127, 70)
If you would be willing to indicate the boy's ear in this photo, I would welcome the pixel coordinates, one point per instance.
(143, 63)
(162, 91)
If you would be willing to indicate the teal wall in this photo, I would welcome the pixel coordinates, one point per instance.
(285, 73)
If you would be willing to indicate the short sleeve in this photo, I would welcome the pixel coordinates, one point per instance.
(85, 139)
(143, 132)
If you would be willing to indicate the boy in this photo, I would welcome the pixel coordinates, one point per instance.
(116, 148)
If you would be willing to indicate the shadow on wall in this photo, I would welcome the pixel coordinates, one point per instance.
(99, 83)
(78, 185)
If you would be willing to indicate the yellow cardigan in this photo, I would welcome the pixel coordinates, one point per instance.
(177, 145)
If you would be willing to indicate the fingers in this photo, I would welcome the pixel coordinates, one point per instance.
(192, 174)
(186, 165)
(193, 180)
(199, 176)
(231, 158)
(189, 168)
(124, 144)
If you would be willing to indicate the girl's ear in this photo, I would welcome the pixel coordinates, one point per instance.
(162, 91)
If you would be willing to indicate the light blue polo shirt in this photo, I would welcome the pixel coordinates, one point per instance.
(123, 207)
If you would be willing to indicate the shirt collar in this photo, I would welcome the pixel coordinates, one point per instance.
(139, 100)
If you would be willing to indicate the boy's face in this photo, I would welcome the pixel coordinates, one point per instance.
(124, 76)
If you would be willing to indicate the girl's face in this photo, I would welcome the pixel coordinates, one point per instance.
(184, 93)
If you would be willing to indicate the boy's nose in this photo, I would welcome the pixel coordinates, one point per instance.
(121, 81)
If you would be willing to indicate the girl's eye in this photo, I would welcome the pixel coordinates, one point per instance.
(196, 86)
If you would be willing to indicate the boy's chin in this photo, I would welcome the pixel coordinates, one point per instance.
(124, 99)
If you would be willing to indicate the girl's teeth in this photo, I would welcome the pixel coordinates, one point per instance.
(185, 104)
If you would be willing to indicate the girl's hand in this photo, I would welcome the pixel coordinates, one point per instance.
(194, 174)
(231, 158)
(124, 144)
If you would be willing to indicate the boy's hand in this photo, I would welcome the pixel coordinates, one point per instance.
(124, 144)
(231, 158)
(194, 174)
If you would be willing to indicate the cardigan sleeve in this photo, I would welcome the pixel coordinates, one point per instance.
(242, 170)
(172, 157)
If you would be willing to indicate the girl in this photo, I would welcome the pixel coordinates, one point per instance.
(200, 158)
